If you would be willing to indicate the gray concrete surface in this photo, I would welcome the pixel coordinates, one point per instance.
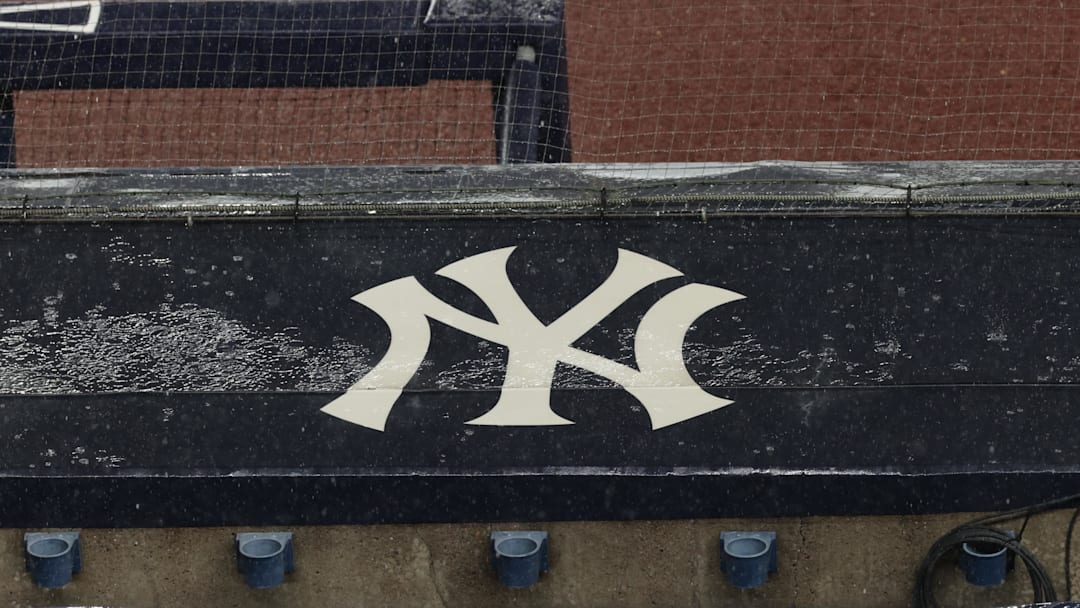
(828, 562)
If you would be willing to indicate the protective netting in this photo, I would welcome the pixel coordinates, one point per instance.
(409, 81)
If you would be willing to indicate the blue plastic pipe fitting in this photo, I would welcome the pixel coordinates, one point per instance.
(747, 558)
(984, 564)
(519, 557)
(264, 558)
(52, 558)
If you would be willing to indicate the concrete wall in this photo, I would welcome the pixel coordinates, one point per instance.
(830, 562)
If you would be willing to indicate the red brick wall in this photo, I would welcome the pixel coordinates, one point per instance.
(651, 80)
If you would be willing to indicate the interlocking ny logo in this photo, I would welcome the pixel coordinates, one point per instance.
(661, 383)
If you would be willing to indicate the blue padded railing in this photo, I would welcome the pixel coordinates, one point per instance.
(518, 45)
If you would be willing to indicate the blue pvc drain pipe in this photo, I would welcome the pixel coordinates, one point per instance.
(52, 558)
(984, 564)
(747, 558)
(264, 558)
(519, 557)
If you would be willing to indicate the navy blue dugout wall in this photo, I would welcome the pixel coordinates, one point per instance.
(905, 342)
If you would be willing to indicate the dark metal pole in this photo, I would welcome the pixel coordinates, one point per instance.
(7, 130)
(517, 111)
(554, 136)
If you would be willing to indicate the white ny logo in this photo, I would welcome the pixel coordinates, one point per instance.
(663, 385)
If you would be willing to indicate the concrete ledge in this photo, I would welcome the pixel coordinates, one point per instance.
(864, 562)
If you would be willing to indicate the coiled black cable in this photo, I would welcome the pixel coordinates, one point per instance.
(1068, 552)
(980, 531)
(1041, 584)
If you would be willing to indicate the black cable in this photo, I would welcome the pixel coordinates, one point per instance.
(1042, 507)
(1042, 586)
(1068, 552)
(979, 530)
(1020, 534)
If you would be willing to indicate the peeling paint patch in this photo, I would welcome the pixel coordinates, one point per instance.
(185, 348)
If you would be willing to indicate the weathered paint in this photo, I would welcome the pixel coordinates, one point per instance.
(881, 361)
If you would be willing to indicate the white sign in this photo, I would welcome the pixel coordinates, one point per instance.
(92, 17)
(661, 383)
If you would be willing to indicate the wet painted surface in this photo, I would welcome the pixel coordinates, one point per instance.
(266, 307)
(174, 372)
